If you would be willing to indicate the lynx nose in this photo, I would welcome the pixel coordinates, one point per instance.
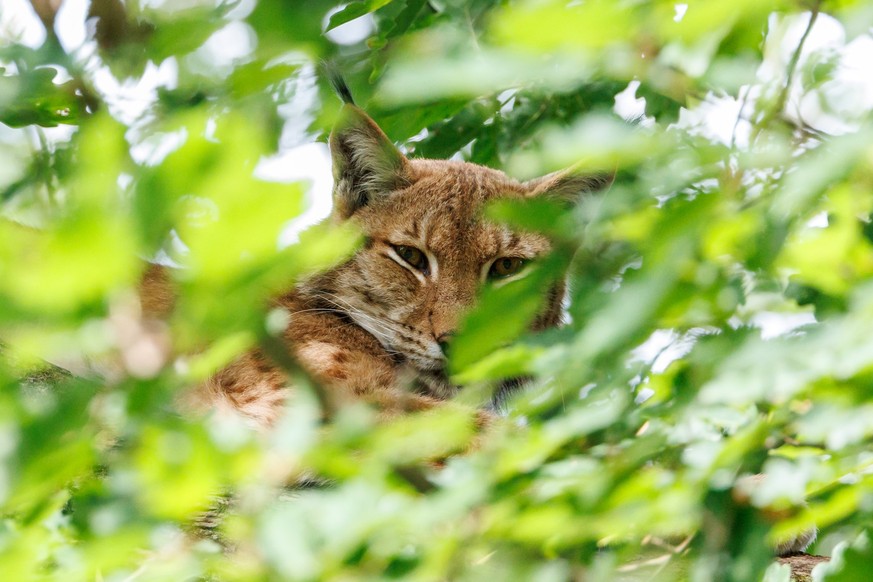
(443, 341)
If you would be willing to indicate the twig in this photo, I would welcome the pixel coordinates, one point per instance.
(472, 28)
(277, 351)
(781, 100)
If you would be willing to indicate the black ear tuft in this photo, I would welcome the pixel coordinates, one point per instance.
(366, 165)
(569, 185)
(338, 82)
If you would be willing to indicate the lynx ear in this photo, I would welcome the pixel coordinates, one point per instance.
(568, 185)
(366, 164)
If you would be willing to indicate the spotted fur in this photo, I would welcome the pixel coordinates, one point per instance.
(376, 327)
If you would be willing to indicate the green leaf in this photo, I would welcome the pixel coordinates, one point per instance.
(852, 564)
(430, 78)
(257, 76)
(401, 123)
(283, 26)
(490, 325)
(355, 10)
(406, 18)
(33, 98)
(447, 137)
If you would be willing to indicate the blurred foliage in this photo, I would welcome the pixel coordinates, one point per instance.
(720, 298)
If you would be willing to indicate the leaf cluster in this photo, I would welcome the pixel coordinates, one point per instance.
(718, 312)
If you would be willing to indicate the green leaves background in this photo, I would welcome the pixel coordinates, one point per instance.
(718, 307)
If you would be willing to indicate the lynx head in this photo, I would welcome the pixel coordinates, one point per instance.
(428, 249)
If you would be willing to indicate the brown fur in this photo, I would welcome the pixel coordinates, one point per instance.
(372, 327)
(156, 294)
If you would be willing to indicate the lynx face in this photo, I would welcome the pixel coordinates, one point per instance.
(427, 253)
(428, 250)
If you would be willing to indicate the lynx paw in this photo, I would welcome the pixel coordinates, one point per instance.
(797, 544)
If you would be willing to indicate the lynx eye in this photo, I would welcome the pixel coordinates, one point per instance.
(414, 257)
(505, 267)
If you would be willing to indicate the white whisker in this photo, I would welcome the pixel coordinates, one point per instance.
(388, 332)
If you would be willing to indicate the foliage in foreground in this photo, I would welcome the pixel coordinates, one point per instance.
(721, 298)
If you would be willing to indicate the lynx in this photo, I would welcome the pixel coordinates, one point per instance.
(377, 327)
